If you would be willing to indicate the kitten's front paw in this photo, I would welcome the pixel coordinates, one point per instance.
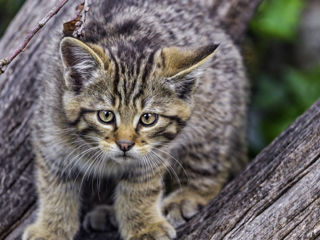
(159, 231)
(36, 232)
(180, 206)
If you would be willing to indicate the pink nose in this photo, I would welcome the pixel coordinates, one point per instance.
(125, 145)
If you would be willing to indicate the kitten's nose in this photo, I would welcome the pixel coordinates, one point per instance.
(125, 145)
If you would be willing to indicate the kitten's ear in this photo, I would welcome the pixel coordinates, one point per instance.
(179, 61)
(81, 63)
(181, 67)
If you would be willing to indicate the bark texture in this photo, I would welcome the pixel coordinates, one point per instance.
(276, 197)
(17, 100)
(251, 203)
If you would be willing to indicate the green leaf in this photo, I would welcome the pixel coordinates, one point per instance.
(278, 19)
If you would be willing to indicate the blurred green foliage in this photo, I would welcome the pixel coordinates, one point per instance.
(277, 102)
(8, 9)
(278, 19)
(281, 90)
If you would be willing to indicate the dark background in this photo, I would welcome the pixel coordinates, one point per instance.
(281, 52)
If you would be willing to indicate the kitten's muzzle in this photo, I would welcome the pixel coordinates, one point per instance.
(125, 145)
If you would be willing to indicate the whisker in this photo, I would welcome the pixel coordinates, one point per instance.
(169, 168)
(175, 160)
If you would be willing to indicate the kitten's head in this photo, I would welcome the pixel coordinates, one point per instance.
(126, 103)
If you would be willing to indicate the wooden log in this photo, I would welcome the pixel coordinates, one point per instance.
(18, 97)
(17, 100)
(276, 197)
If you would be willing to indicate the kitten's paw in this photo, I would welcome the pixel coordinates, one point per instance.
(181, 206)
(159, 231)
(36, 232)
(101, 218)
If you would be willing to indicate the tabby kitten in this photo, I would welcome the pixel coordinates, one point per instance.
(147, 89)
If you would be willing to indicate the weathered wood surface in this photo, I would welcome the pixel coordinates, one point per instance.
(17, 99)
(276, 197)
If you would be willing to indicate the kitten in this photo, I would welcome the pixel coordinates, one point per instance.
(147, 89)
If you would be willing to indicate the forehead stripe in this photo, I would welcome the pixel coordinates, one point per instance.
(146, 73)
(132, 89)
(116, 77)
(124, 79)
(137, 66)
(148, 67)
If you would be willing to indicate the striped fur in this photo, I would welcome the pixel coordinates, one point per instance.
(139, 57)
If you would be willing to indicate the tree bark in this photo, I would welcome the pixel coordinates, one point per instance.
(17, 100)
(276, 197)
(238, 209)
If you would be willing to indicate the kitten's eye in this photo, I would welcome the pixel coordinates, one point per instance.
(148, 119)
(105, 116)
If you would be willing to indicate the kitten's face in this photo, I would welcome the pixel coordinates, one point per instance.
(125, 126)
(127, 111)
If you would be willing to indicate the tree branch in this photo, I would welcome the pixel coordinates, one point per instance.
(80, 25)
(276, 197)
(80, 19)
(75, 27)
(6, 61)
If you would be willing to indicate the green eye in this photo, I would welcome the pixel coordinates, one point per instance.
(105, 116)
(148, 119)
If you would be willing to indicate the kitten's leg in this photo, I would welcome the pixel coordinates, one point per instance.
(138, 210)
(58, 216)
(186, 201)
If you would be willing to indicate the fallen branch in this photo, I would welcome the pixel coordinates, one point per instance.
(75, 26)
(80, 25)
(6, 61)
(77, 31)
